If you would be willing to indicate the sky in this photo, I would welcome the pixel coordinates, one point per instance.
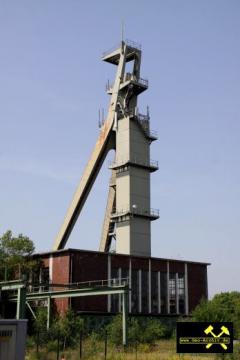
(52, 84)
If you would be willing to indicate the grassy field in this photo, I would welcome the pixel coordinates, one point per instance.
(163, 350)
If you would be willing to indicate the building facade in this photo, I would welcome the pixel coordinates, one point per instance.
(156, 286)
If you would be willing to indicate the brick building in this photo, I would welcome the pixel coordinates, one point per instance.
(157, 286)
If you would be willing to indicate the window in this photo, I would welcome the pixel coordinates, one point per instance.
(172, 293)
(181, 293)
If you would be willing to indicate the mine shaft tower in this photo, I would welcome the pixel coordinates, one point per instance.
(128, 213)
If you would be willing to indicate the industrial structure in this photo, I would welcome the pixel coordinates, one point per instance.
(128, 212)
(155, 286)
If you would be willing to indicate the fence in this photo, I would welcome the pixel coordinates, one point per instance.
(98, 346)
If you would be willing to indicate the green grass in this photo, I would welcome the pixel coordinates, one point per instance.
(163, 350)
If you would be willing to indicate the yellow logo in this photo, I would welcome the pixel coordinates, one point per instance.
(220, 336)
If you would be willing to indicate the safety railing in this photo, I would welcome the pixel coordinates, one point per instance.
(122, 162)
(113, 48)
(142, 117)
(133, 44)
(131, 77)
(128, 42)
(46, 287)
(137, 211)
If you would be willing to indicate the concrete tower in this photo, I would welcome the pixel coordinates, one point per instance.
(128, 213)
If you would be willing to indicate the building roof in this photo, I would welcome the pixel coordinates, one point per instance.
(70, 250)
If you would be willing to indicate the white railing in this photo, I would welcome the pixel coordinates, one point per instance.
(128, 42)
(133, 44)
(77, 285)
(122, 162)
(131, 77)
(137, 211)
(113, 48)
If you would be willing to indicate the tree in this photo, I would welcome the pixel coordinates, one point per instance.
(16, 251)
(68, 327)
(223, 307)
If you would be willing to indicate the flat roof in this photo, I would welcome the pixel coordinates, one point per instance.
(70, 250)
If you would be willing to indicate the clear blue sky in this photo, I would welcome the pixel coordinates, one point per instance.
(52, 83)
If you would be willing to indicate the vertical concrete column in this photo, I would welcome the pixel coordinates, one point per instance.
(124, 316)
(149, 287)
(140, 291)
(167, 292)
(186, 288)
(51, 269)
(21, 303)
(109, 272)
(130, 286)
(177, 294)
(120, 297)
(40, 279)
(159, 292)
(48, 312)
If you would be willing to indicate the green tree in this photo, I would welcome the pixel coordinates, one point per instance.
(16, 252)
(223, 307)
(68, 328)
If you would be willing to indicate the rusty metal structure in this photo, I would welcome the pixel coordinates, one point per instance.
(128, 213)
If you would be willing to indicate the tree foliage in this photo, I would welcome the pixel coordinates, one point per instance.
(223, 307)
(68, 328)
(145, 330)
(16, 251)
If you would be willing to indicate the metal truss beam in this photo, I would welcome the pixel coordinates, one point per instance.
(23, 298)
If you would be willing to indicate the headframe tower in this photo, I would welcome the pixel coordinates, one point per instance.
(128, 213)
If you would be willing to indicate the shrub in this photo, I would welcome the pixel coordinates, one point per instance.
(223, 307)
(139, 330)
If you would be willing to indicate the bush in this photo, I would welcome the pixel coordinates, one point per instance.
(223, 307)
(139, 330)
(153, 330)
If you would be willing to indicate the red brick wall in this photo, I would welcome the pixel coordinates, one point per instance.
(197, 284)
(86, 267)
(140, 263)
(158, 265)
(60, 275)
(176, 267)
(118, 261)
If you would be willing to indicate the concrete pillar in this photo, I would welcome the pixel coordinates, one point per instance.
(48, 312)
(159, 292)
(130, 286)
(109, 282)
(149, 287)
(140, 291)
(21, 303)
(120, 297)
(51, 269)
(177, 294)
(186, 288)
(167, 292)
(124, 316)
